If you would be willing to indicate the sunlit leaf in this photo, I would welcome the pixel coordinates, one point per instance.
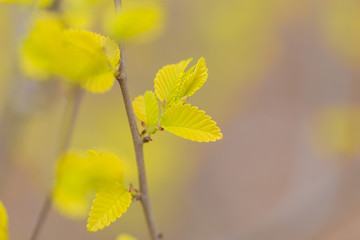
(110, 203)
(190, 123)
(79, 176)
(136, 19)
(193, 79)
(125, 237)
(147, 108)
(3, 222)
(167, 82)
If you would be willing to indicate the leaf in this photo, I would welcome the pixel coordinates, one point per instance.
(110, 203)
(3, 222)
(94, 67)
(193, 79)
(167, 82)
(42, 46)
(81, 57)
(147, 108)
(190, 123)
(79, 176)
(125, 237)
(138, 19)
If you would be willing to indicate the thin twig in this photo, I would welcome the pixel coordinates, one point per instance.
(67, 129)
(138, 142)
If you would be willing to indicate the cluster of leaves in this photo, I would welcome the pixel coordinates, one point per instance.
(173, 87)
(3, 222)
(91, 61)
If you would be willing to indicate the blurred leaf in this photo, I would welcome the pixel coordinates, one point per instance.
(80, 56)
(341, 21)
(42, 46)
(125, 237)
(3, 222)
(190, 123)
(79, 176)
(337, 130)
(137, 19)
(110, 203)
(147, 108)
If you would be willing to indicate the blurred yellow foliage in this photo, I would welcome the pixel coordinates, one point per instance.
(341, 22)
(337, 130)
(79, 176)
(81, 57)
(39, 3)
(140, 20)
(3, 223)
(125, 237)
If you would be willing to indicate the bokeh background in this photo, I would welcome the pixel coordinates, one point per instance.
(284, 88)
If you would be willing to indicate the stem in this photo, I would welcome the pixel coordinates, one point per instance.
(68, 123)
(137, 140)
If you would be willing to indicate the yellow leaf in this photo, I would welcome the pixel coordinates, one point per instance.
(190, 123)
(136, 19)
(167, 82)
(79, 176)
(147, 108)
(82, 57)
(3, 223)
(42, 46)
(193, 79)
(110, 203)
(125, 237)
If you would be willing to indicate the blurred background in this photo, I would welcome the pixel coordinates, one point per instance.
(283, 86)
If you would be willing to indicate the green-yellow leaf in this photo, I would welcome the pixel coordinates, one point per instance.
(79, 176)
(3, 223)
(81, 57)
(193, 79)
(140, 19)
(167, 81)
(110, 203)
(190, 123)
(125, 237)
(147, 108)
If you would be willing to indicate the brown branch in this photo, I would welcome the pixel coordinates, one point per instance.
(138, 142)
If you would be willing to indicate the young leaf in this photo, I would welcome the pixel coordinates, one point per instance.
(138, 19)
(93, 67)
(190, 123)
(167, 82)
(110, 203)
(79, 176)
(147, 108)
(3, 222)
(193, 79)
(125, 237)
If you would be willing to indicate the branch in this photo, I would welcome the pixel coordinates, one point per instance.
(67, 129)
(137, 140)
